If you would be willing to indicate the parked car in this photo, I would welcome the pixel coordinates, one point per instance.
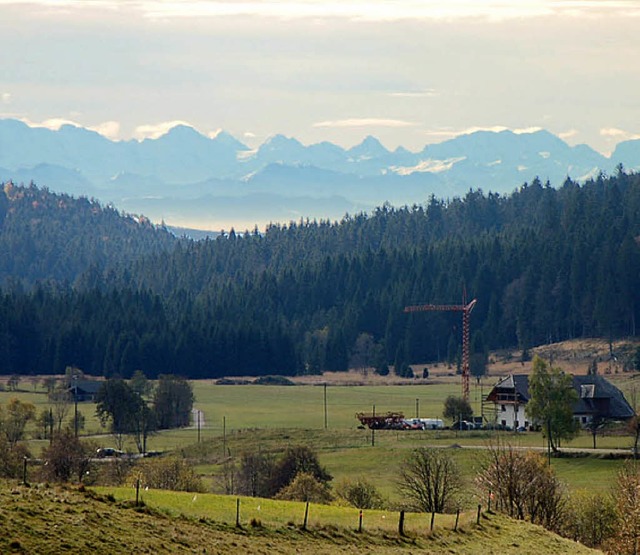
(108, 452)
(462, 425)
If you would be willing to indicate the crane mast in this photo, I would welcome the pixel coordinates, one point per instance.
(466, 311)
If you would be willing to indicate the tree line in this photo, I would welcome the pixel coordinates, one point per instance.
(546, 264)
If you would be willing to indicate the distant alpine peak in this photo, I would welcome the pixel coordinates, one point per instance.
(281, 140)
(370, 147)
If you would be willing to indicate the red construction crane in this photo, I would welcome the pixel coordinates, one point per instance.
(466, 311)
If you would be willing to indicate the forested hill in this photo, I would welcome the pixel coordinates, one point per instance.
(46, 236)
(545, 265)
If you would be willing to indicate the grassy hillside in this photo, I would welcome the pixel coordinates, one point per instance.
(51, 520)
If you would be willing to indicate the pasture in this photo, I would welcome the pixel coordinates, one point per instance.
(240, 418)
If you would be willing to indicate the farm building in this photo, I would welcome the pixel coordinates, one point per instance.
(597, 398)
(85, 390)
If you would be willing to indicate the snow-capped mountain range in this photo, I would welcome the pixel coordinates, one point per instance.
(186, 178)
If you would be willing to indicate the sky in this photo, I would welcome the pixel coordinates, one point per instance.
(410, 72)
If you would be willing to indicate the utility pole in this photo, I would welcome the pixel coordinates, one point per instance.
(373, 430)
(198, 425)
(325, 406)
(224, 436)
(75, 404)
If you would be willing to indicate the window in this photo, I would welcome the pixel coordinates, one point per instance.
(503, 408)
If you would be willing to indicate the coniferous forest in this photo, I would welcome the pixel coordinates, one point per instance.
(109, 293)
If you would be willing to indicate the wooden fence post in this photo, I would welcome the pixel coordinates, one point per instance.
(401, 524)
(360, 521)
(137, 491)
(238, 512)
(455, 528)
(433, 517)
(478, 517)
(306, 516)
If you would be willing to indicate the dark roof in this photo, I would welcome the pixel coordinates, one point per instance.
(86, 386)
(596, 395)
(592, 390)
(517, 382)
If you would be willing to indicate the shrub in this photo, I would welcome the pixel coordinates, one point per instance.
(11, 458)
(305, 487)
(169, 473)
(296, 460)
(523, 486)
(590, 518)
(67, 458)
(360, 494)
(627, 494)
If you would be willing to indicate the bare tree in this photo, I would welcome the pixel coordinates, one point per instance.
(60, 400)
(626, 540)
(430, 479)
(523, 486)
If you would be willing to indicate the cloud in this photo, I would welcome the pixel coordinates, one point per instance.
(108, 129)
(568, 134)
(618, 135)
(5, 97)
(53, 123)
(153, 131)
(355, 10)
(427, 93)
(365, 122)
(384, 10)
(449, 133)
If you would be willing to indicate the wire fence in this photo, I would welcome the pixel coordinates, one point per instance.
(257, 512)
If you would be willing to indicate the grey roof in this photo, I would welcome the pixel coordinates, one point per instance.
(519, 382)
(596, 395)
(87, 386)
(593, 391)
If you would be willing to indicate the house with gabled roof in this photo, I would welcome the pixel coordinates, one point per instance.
(597, 399)
(85, 390)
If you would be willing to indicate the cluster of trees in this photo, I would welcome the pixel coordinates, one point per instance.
(545, 264)
(123, 407)
(295, 475)
(522, 485)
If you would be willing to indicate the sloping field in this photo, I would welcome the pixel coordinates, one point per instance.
(51, 520)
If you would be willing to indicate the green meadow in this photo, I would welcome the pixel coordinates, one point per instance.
(242, 418)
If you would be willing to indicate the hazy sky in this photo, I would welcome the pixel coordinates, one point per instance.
(410, 72)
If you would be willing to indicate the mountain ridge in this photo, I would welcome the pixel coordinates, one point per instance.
(174, 165)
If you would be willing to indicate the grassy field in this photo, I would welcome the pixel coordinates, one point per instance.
(50, 520)
(272, 417)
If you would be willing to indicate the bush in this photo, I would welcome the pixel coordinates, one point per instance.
(523, 486)
(305, 487)
(273, 380)
(360, 494)
(627, 494)
(590, 518)
(11, 458)
(169, 473)
(296, 460)
(67, 458)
